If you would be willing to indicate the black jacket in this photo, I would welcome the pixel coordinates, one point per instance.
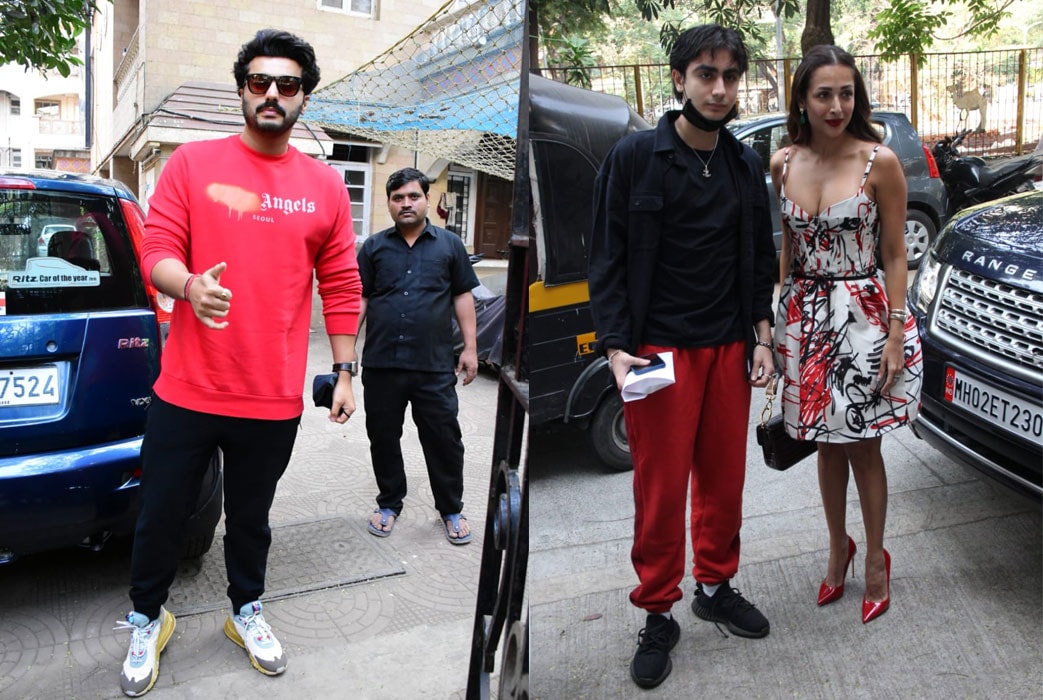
(628, 207)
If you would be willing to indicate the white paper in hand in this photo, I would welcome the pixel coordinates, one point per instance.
(642, 381)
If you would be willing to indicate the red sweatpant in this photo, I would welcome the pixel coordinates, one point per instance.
(689, 435)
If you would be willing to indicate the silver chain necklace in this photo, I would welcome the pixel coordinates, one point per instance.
(706, 163)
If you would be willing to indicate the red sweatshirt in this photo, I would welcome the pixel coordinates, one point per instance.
(273, 220)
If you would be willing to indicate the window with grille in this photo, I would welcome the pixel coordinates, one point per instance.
(458, 190)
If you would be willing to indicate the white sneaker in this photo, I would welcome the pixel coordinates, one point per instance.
(147, 639)
(249, 630)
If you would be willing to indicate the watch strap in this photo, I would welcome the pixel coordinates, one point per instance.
(350, 367)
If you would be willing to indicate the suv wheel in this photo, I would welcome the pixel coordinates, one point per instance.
(919, 232)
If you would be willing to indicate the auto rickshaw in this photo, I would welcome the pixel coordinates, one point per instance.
(571, 130)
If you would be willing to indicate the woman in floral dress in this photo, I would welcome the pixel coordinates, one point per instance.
(847, 348)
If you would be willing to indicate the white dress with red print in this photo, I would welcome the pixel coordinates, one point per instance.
(832, 324)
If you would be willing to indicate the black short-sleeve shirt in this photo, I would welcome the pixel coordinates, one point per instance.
(409, 294)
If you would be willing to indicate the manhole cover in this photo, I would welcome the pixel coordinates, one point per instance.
(306, 556)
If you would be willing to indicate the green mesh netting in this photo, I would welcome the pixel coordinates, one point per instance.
(449, 89)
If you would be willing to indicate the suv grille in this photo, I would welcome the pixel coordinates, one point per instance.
(994, 317)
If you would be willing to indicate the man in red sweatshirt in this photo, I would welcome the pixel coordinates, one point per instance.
(235, 230)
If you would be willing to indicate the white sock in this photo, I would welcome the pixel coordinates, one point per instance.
(710, 588)
(667, 615)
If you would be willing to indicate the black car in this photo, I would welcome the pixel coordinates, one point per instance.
(80, 344)
(978, 300)
(926, 209)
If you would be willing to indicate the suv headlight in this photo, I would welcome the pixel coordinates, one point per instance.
(925, 284)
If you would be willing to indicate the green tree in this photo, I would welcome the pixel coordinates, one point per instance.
(912, 26)
(41, 34)
(902, 27)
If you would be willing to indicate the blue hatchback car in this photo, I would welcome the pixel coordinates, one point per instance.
(80, 344)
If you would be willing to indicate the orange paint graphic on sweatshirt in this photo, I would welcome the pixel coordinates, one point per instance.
(235, 198)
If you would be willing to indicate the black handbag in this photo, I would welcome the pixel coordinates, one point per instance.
(780, 450)
(322, 389)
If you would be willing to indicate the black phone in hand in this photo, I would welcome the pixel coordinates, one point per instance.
(654, 363)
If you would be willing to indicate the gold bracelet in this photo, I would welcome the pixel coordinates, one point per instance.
(613, 354)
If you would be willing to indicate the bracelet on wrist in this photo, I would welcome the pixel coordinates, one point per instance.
(613, 354)
(188, 284)
(765, 344)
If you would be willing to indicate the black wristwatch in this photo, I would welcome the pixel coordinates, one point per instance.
(351, 368)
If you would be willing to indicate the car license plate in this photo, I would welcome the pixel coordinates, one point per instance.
(29, 386)
(1013, 414)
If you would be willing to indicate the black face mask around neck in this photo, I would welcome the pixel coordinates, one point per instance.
(696, 119)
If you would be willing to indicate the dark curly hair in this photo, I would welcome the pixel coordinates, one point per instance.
(279, 44)
(706, 37)
(815, 58)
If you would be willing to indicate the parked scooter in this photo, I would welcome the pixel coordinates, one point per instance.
(972, 180)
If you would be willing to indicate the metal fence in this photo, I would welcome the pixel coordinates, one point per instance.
(999, 93)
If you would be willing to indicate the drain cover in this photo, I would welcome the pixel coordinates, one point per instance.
(305, 556)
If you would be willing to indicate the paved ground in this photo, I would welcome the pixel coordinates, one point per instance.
(361, 617)
(967, 600)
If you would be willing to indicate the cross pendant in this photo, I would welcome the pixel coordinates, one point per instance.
(706, 171)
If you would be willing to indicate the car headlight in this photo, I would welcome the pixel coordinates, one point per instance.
(925, 284)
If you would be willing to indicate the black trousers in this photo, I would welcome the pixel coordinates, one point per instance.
(175, 451)
(386, 393)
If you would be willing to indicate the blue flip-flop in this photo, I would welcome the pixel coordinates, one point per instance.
(385, 513)
(455, 521)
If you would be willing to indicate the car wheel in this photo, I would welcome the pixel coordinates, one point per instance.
(919, 232)
(608, 434)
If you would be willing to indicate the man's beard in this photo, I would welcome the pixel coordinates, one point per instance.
(270, 127)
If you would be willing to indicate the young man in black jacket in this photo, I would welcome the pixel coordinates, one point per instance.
(682, 262)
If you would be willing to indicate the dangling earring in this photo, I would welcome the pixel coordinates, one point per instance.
(803, 117)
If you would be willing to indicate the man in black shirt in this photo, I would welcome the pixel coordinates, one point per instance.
(415, 277)
(681, 262)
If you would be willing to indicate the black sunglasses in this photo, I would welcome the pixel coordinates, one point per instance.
(287, 85)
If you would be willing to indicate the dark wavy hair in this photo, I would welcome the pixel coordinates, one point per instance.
(278, 44)
(706, 37)
(815, 58)
(405, 176)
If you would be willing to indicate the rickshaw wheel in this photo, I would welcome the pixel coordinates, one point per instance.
(608, 434)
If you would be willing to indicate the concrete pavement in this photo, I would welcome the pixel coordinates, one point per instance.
(967, 599)
(361, 617)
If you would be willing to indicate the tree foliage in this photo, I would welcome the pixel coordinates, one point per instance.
(912, 26)
(41, 34)
(901, 27)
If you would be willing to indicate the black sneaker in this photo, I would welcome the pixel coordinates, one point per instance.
(651, 664)
(739, 615)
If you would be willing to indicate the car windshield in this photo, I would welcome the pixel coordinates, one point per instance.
(63, 252)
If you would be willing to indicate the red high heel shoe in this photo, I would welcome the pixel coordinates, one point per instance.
(827, 594)
(872, 609)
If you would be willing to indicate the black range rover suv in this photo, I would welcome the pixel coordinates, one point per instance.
(978, 299)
